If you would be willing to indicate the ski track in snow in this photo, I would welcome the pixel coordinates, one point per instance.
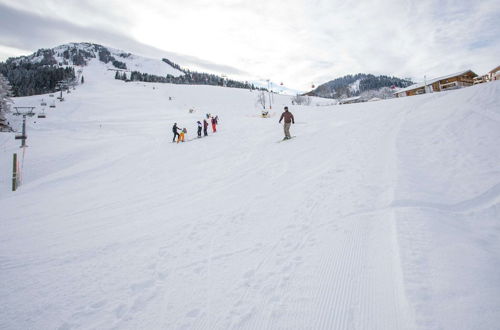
(377, 216)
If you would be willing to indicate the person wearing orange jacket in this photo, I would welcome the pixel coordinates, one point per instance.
(181, 136)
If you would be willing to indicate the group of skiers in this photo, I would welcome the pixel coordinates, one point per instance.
(286, 116)
(180, 137)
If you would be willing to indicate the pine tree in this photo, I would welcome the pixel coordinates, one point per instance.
(5, 92)
(82, 81)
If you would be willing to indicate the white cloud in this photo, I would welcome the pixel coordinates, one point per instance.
(301, 41)
(6, 52)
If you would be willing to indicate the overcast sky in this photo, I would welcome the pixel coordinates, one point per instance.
(296, 41)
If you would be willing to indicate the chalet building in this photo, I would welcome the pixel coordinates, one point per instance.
(481, 79)
(452, 81)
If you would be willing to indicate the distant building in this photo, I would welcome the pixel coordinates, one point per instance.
(494, 74)
(355, 99)
(481, 79)
(452, 81)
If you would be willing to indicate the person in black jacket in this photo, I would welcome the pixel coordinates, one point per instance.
(199, 128)
(174, 130)
(205, 127)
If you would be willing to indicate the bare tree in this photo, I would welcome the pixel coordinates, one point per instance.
(301, 100)
(261, 99)
(382, 93)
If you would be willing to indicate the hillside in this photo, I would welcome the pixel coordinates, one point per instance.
(41, 71)
(354, 85)
(381, 215)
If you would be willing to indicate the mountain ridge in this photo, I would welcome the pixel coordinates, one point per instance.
(40, 71)
(357, 84)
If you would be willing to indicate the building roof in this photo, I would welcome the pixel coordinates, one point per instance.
(350, 99)
(495, 69)
(431, 81)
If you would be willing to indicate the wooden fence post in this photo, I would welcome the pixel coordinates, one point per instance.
(14, 173)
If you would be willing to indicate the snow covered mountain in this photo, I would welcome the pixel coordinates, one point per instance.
(354, 85)
(380, 215)
(40, 72)
(80, 54)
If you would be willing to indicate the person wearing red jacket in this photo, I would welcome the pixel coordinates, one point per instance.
(214, 124)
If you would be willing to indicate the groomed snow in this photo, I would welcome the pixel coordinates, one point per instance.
(381, 215)
(145, 65)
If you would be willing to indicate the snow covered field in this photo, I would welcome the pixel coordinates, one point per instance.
(382, 215)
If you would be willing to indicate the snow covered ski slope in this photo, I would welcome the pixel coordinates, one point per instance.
(383, 215)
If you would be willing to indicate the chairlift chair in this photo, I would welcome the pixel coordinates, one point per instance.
(42, 114)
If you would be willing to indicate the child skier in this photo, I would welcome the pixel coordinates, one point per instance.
(181, 135)
(199, 129)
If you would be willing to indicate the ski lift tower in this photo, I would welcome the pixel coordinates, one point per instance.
(25, 112)
(60, 86)
(269, 83)
(63, 85)
(78, 76)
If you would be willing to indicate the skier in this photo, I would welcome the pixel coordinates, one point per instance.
(289, 120)
(199, 128)
(181, 136)
(205, 127)
(214, 125)
(174, 130)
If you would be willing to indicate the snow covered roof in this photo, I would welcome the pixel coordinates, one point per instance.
(354, 98)
(431, 81)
